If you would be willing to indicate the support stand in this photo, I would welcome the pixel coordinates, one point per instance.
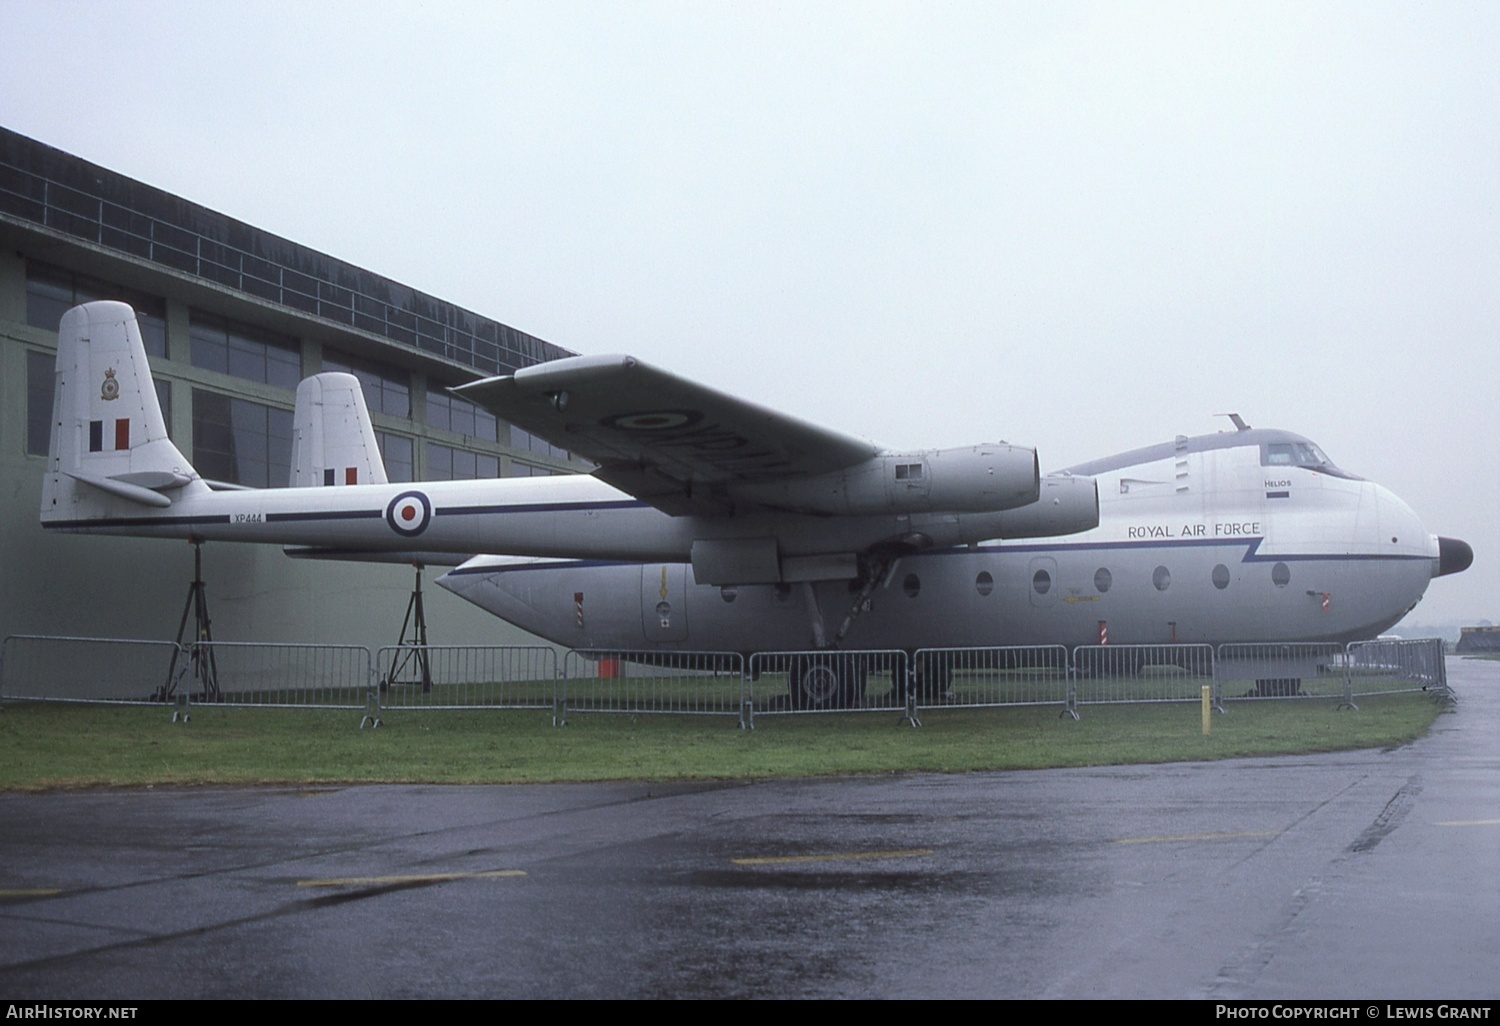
(201, 664)
(414, 658)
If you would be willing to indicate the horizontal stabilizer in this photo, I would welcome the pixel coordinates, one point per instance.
(122, 489)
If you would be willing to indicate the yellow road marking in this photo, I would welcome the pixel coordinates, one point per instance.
(1196, 837)
(29, 892)
(783, 860)
(1469, 822)
(376, 881)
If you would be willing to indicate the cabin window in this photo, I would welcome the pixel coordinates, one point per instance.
(911, 585)
(1041, 582)
(1221, 577)
(908, 472)
(1281, 575)
(984, 583)
(1162, 578)
(729, 593)
(1102, 580)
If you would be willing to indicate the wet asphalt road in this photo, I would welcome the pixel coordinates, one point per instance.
(1364, 875)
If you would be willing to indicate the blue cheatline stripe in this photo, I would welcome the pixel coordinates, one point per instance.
(1251, 547)
(1250, 554)
(353, 514)
(540, 507)
(217, 518)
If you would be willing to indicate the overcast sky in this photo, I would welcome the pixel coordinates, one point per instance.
(1083, 227)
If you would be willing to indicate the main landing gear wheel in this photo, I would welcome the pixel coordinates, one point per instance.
(826, 682)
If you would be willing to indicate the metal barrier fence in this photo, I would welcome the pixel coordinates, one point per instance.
(1303, 669)
(824, 680)
(715, 683)
(1141, 673)
(467, 676)
(651, 682)
(1006, 675)
(1383, 667)
(64, 669)
(271, 674)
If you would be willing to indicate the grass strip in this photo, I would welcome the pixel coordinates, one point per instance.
(57, 745)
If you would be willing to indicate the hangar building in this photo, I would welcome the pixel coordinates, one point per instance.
(233, 318)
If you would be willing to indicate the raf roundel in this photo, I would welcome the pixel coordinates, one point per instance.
(409, 514)
(653, 420)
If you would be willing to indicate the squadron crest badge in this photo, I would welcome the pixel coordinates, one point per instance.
(111, 388)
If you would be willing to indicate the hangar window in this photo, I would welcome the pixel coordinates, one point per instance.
(911, 585)
(1162, 578)
(242, 351)
(1102, 580)
(241, 442)
(984, 583)
(460, 416)
(1041, 582)
(396, 453)
(39, 374)
(51, 291)
(1281, 575)
(1221, 577)
(387, 389)
(445, 463)
(529, 442)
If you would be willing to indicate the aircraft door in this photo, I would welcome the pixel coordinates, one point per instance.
(1042, 581)
(664, 601)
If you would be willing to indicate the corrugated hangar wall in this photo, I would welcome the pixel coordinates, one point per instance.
(53, 239)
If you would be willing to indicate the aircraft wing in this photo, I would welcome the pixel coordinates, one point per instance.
(661, 438)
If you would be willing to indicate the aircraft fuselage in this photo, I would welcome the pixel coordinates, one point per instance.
(1211, 540)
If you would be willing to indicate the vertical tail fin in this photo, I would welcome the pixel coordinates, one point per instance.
(110, 452)
(333, 441)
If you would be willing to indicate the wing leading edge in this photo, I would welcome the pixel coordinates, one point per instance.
(666, 440)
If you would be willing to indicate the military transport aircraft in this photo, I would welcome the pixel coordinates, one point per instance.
(713, 524)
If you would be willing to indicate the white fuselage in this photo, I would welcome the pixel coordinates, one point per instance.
(574, 515)
(1206, 543)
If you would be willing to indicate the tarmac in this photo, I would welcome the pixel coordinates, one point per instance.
(1366, 875)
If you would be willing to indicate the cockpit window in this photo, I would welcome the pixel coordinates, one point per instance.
(1300, 454)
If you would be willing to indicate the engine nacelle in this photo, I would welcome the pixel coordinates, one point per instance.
(975, 479)
(1067, 505)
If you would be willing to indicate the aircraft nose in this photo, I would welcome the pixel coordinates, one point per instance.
(1454, 556)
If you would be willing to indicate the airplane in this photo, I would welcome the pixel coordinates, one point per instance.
(1250, 535)
(712, 524)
